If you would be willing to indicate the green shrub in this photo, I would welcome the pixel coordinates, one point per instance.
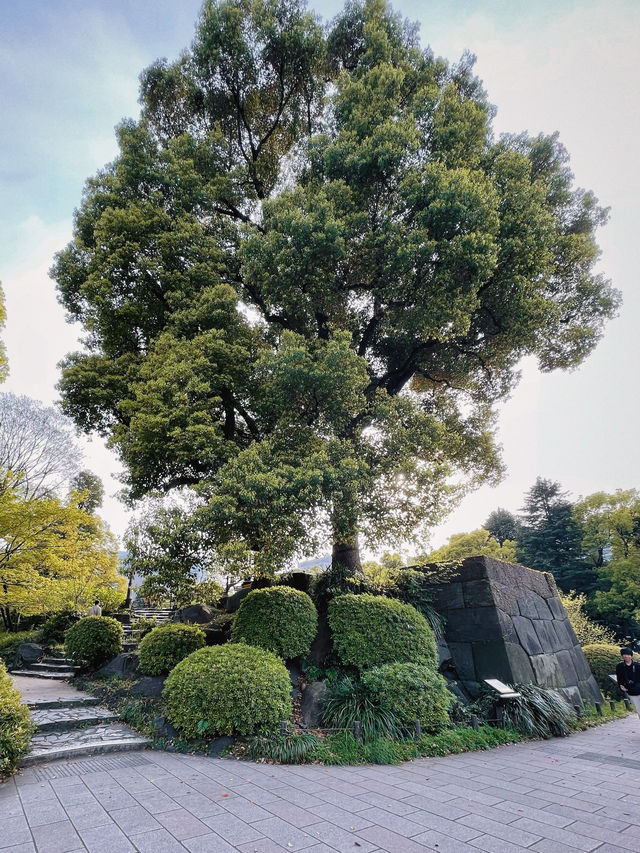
(16, 727)
(56, 626)
(412, 691)
(371, 630)
(603, 659)
(164, 647)
(93, 641)
(142, 627)
(280, 619)
(227, 689)
(348, 700)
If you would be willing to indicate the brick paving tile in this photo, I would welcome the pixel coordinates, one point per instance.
(627, 839)
(399, 807)
(390, 841)
(114, 799)
(434, 840)
(402, 825)
(562, 836)
(15, 830)
(211, 843)
(284, 834)
(155, 801)
(134, 819)
(60, 837)
(427, 791)
(36, 791)
(75, 794)
(508, 833)
(20, 848)
(232, 829)
(446, 827)
(595, 818)
(447, 810)
(254, 793)
(546, 845)
(351, 803)
(38, 814)
(198, 805)
(491, 844)
(339, 839)
(157, 841)
(88, 815)
(106, 839)
(299, 798)
(497, 813)
(342, 818)
(291, 813)
(245, 810)
(182, 824)
(265, 845)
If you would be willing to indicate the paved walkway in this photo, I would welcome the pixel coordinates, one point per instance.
(560, 796)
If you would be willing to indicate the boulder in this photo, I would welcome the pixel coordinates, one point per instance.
(163, 728)
(29, 653)
(215, 636)
(312, 699)
(124, 665)
(149, 685)
(219, 745)
(196, 614)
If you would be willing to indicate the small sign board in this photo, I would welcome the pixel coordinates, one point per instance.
(613, 678)
(504, 691)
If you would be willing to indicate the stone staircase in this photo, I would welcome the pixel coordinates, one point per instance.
(53, 669)
(68, 728)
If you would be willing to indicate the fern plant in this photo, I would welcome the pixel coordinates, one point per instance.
(348, 701)
(289, 748)
(537, 712)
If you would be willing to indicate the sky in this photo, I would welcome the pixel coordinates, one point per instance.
(69, 73)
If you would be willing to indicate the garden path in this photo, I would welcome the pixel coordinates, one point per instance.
(579, 793)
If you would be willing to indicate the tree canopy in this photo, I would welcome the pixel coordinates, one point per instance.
(310, 275)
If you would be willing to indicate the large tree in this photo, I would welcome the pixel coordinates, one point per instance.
(311, 273)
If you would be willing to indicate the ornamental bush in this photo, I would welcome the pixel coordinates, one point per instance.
(280, 619)
(93, 641)
(371, 630)
(16, 727)
(412, 691)
(603, 659)
(56, 626)
(221, 690)
(164, 647)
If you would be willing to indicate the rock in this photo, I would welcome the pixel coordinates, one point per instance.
(30, 653)
(149, 685)
(234, 601)
(219, 745)
(163, 728)
(215, 636)
(124, 665)
(312, 699)
(197, 614)
(293, 667)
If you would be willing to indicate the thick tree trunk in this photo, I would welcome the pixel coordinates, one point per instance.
(347, 554)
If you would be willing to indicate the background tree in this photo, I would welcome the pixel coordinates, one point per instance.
(550, 538)
(90, 490)
(502, 525)
(4, 361)
(478, 542)
(309, 276)
(37, 451)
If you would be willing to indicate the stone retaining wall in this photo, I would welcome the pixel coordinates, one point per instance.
(507, 621)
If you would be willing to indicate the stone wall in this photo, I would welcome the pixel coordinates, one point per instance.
(507, 621)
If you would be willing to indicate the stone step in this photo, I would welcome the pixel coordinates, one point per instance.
(43, 666)
(80, 702)
(65, 719)
(57, 661)
(93, 740)
(39, 673)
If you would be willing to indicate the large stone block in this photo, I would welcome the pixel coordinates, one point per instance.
(477, 593)
(521, 669)
(547, 671)
(462, 657)
(556, 608)
(546, 634)
(491, 661)
(448, 597)
(566, 661)
(479, 624)
(527, 635)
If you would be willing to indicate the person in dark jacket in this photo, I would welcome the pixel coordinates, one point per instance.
(628, 675)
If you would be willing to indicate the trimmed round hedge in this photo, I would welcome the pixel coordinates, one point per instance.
(410, 691)
(93, 641)
(603, 659)
(164, 647)
(56, 626)
(16, 726)
(280, 619)
(228, 689)
(372, 630)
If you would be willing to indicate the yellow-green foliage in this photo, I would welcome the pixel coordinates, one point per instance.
(93, 640)
(164, 647)
(411, 691)
(16, 727)
(228, 689)
(371, 630)
(587, 631)
(278, 618)
(603, 659)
